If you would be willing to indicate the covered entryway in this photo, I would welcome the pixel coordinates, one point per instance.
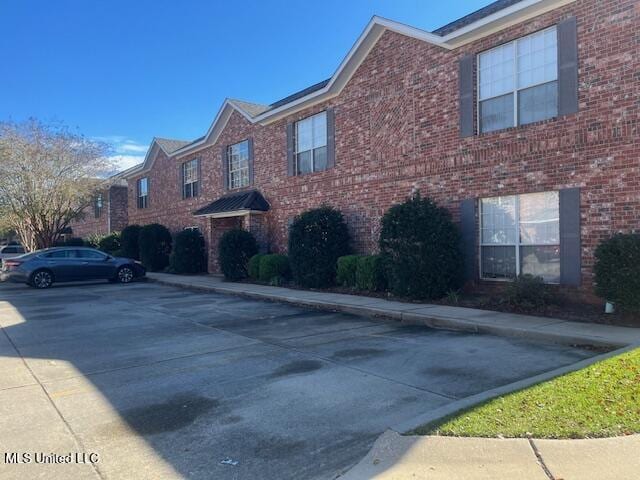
(236, 210)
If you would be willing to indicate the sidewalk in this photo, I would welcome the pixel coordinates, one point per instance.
(437, 316)
(396, 457)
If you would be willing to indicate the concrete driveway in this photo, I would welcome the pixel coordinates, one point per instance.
(165, 383)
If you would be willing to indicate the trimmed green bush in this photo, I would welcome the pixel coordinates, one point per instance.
(274, 268)
(188, 255)
(346, 271)
(109, 243)
(236, 248)
(420, 246)
(129, 241)
(254, 266)
(317, 238)
(617, 270)
(370, 275)
(155, 246)
(528, 292)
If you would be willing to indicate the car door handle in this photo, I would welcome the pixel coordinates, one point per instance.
(85, 263)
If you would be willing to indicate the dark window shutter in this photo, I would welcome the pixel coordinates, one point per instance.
(250, 148)
(148, 196)
(567, 67)
(199, 182)
(465, 84)
(290, 150)
(570, 249)
(225, 167)
(182, 180)
(331, 138)
(469, 241)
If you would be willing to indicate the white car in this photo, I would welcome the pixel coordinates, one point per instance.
(10, 251)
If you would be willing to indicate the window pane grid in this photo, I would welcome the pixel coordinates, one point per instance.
(311, 144)
(238, 157)
(533, 247)
(143, 192)
(506, 71)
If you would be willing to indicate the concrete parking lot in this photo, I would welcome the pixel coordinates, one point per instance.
(165, 383)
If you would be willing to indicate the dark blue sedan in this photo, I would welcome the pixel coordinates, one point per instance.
(40, 269)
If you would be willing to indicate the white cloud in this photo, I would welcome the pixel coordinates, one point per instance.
(123, 162)
(123, 146)
(130, 146)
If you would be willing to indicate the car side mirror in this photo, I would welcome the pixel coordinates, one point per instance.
(107, 258)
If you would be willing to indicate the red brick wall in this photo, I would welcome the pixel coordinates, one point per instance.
(114, 215)
(397, 130)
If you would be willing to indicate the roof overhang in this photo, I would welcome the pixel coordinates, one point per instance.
(235, 213)
(499, 20)
(235, 204)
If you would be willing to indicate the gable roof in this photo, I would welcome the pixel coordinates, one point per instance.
(495, 16)
(251, 200)
(170, 145)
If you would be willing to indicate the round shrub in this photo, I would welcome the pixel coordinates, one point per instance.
(528, 291)
(274, 268)
(188, 255)
(617, 270)
(109, 243)
(129, 241)
(420, 246)
(155, 246)
(236, 248)
(317, 239)
(254, 266)
(346, 271)
(370, 275)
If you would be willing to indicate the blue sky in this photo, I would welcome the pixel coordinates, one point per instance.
(126, 71)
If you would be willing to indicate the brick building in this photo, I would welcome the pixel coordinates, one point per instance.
(521, 118)
(108, 213)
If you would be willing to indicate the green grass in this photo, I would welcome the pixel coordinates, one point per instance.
(602, 400)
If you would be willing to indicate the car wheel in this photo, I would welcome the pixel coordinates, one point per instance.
(125, 274)
(41, 279)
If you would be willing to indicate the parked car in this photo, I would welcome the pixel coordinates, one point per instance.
(42, 268)
(10, 251)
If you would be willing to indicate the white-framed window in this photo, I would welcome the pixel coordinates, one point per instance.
(190, 180)
(98, 205)
(143, 192)
(520, 234)
(193, 228)
(518, 81)
(311, 144)
(238, 158)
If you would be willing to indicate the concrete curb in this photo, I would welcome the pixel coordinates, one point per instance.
(407, 316)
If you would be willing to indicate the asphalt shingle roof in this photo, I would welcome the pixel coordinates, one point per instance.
(253, 109)
(247, 200)
(169, 145)
(475, 16)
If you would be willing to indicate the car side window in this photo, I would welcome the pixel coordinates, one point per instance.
(91, 254)
(58, 254)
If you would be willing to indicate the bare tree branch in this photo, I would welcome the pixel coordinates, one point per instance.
(48, 176)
